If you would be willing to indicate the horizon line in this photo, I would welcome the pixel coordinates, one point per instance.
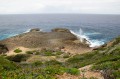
(58, 13)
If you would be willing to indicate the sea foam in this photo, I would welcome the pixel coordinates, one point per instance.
(92, 42)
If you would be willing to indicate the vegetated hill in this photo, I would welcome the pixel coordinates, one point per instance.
(48, 64)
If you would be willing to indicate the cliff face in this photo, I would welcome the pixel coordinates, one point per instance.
(56, 39)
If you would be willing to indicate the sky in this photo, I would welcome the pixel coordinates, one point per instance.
(60, 6)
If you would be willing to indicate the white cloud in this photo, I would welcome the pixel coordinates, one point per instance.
(59, 6)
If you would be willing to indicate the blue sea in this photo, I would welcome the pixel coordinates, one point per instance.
(98, 29)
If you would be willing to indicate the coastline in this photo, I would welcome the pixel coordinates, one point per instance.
(57, 38)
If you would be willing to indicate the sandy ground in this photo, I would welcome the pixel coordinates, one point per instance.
(11, 52)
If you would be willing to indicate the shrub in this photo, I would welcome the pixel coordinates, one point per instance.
(6, 64)
(73, 71)
(93, 78)
(52, 62)
(53, 70)
(117, 41)
(116, 74)
(66, 56)
(37, 63)
(18, 57)
(78, 61)
(48, 53)
(17, 50)
(107, 65)
(58, 53)
(29, 52)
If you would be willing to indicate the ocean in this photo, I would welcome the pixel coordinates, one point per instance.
(97, 29)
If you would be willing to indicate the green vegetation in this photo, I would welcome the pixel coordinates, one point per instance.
(73, 71)
(18, 57)
(29, 52)
(6, 64)
(17, 50)
(36, 70)
(105, 59)
(45, 53)
(78, 61)
(37, 63)
(52, 63)
(66, 56)
(117, 41)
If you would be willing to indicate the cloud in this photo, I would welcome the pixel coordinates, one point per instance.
(59, 6)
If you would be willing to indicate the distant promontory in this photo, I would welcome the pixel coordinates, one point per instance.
(57, 39)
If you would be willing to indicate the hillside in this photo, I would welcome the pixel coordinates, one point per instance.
(101, 63)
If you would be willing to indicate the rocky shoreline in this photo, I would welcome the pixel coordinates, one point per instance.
(57, 39)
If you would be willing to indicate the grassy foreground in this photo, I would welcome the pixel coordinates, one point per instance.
(105, 60)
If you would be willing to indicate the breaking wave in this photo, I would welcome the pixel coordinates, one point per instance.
(92, 42)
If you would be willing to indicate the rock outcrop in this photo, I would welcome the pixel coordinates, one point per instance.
(3, 49)
(60, 30)
(59, 37)
(35, 30)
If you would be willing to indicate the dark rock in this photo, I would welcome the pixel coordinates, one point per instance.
(35, 30)
(3, 49)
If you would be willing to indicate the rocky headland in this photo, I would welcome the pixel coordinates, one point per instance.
(58, 39)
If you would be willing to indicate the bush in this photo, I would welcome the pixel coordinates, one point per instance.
(18, 57)
(51, 53)
(17, 50)
(52, 62)
(58, 53)
(48, 53)
(37, 63)
(53, 70)
(66, 56)
(107, 65)
(6, 64)
(78, 61)
(116, 74)
(29, 52)
(117, 41)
